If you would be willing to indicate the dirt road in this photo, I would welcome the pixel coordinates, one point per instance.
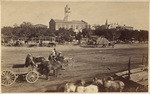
(88, 62)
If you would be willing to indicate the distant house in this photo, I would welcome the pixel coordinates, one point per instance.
(124, 27)
(115, 26)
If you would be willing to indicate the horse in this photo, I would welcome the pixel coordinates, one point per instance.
(33, 61)
(38, 59)
(113, 85)
(91, 89)
(42, 65)
(99, 83)
(82, 87)
(73, 87)
(69, 87)
(47, 66)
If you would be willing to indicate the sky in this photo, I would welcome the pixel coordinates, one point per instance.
(134, 14)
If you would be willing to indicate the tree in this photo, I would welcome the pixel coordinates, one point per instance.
(79, 37)
(86, 32)
(64, 34)
(143, 35)
(98, 31)
(49, 32)
(26, 29)
(72, 32)
(112, 34)
(7, 31)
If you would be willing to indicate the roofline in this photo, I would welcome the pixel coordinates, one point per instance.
(73, 21)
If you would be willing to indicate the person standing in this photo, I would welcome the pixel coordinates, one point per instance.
(54, 54)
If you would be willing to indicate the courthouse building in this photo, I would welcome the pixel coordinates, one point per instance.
(66, 23)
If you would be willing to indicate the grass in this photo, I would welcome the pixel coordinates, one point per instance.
(89, 62)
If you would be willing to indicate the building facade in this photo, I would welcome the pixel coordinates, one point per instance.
(115, 26)
(75, 25)
(66, 23)
(124, 27)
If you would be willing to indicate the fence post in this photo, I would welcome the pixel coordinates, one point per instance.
(129, 64)
(143, 60)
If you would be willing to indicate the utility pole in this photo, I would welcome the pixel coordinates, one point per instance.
(129, 64)
(143, 59)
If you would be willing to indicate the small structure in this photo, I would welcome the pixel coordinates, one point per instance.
(47, 41)
(95, 41)
(115, 26)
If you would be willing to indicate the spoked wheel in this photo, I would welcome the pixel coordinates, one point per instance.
(8, 77)
(32, 77)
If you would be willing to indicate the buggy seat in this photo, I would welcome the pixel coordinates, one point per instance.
(19, 66)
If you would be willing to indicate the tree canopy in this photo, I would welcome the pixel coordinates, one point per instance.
(123, 35)
(28, 30)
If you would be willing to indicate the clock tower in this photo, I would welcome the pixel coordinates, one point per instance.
(67, 13)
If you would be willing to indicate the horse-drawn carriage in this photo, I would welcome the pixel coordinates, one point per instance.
(9, 75)
(31, 71)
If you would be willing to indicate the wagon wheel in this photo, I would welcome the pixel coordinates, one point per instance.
(32, 77)
(8, 77)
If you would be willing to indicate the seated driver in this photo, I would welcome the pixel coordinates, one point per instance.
(53, 55)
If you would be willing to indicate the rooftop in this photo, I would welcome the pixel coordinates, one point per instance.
(73, 21)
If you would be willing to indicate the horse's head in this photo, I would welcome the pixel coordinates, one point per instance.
(94, 79)
(104, 80)
(110, 78)
(82, 82)
(97, 81)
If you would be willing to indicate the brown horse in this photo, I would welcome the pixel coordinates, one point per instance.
(113, 85)
(46, 67)
(33, 61)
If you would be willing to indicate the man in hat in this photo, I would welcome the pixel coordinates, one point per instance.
(53, 54)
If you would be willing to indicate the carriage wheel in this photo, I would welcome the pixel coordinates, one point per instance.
(32, 77)
(8, 78)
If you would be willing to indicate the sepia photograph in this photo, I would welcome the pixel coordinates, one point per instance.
(74, 46)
